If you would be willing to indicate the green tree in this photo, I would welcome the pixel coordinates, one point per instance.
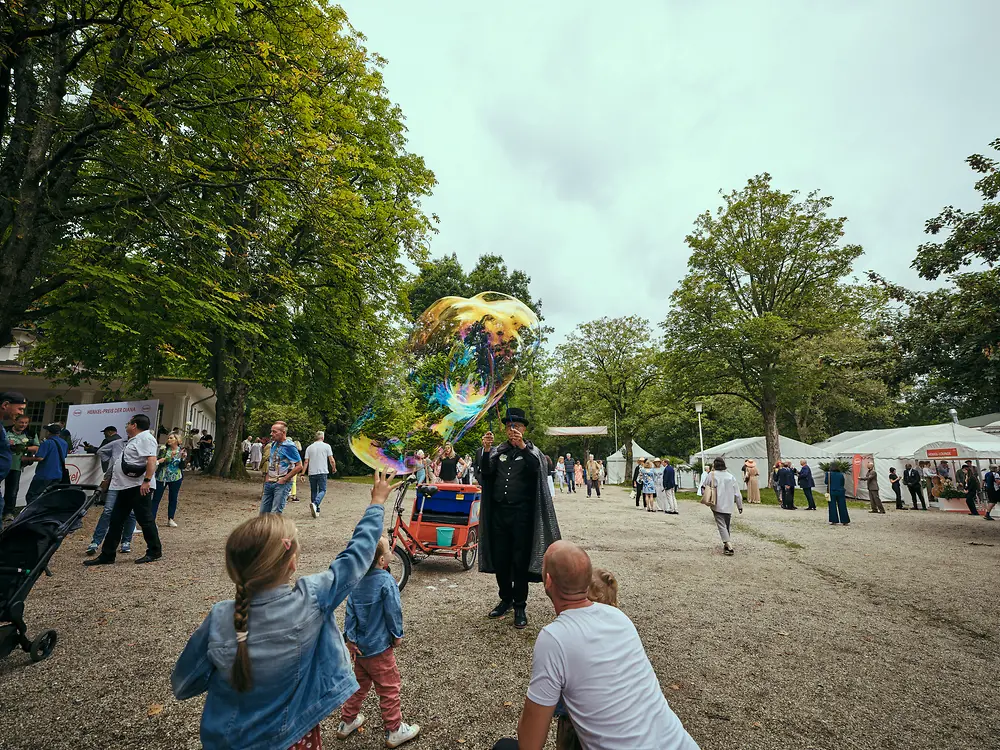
(606, 368)
(764, 276)
(445, 277)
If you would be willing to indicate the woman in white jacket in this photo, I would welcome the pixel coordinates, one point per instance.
(727, 494)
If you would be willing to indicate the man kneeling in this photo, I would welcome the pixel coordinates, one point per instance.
(592, 657)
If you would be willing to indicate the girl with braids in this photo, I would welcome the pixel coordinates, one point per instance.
(273, 661)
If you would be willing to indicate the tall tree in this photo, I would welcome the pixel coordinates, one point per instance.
(607, 366)
(445, 276)
(765, 276)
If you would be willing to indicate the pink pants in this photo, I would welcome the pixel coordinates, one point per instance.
(380, 670)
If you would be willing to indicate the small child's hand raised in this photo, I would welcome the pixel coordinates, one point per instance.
(381, 487)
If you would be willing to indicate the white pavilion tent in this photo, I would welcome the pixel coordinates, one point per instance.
(895, 447)
(614, 465)
(735, 452)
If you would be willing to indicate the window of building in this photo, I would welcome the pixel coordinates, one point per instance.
(62, 412)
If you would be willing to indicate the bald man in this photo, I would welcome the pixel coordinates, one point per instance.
(591, 656)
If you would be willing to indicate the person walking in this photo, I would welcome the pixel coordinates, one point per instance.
(51, 459)
(113, 451)
(897, 489)
(751, 478)
(169, 475)
(807, 483)
(727, 494)
(669, 488)
(134, 478)
(991, 483)
(256, 454)
(971, 481)
(517, 519)
(319, 464)
(245, 448)
(648, 481)
(871, 479)
(911, 478)
(577, 475)
(593, 476)
(570, 466)
(561, 474)
(283, 463)
(836, 487)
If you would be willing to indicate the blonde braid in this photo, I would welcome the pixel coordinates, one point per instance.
(242, 678)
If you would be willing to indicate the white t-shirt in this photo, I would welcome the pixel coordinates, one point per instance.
(318, 455)
(593, 658)
(136, 451)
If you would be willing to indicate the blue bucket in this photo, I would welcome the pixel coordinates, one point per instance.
(445, 535)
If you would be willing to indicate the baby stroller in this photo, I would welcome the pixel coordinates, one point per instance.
(26, 546)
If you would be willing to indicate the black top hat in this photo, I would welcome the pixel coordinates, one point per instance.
(515, 415)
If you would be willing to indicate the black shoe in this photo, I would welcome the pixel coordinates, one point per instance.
(500, 610)
(100, 561)
(988, 517)
(147, 558)
(520, 618)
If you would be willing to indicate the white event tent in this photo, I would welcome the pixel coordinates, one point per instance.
(614, 465)
(735, 452)
(894, 447)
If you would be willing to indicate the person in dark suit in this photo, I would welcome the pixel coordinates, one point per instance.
(806, 482)
(991, 483)
(786, 483)
(970, 478)
(837, 488)
(911, 478)
(637, 485)
(895, 484)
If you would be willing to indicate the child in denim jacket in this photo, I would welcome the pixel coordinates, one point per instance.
(373, 628)
(273, 662)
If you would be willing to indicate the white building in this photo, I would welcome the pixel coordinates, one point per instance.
(181, 401)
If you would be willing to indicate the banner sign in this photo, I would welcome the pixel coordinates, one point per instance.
(942, 453)
(86, 422)
(856, 471)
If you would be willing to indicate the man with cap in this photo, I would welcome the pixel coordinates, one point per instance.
(103, 451)
(12, 406)
(51, 458)
(517, 519)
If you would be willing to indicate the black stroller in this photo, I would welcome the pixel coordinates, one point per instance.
(26, 546)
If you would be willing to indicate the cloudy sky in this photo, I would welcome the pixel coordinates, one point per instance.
(581, 139)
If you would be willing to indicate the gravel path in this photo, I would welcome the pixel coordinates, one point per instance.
(880, 635)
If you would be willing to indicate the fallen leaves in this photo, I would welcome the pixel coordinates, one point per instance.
(155, 709)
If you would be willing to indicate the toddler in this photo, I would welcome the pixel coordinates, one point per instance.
(273, 662)
(374, 627)
(603, 590)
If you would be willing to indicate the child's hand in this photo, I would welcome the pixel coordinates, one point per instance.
(397, 642)
(381, 487)
(353, 649)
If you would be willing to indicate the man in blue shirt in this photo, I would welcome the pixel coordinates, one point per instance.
(51, 459)
(806, 482)
(283, 463)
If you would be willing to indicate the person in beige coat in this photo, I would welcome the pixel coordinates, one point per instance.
(871, 479)
(751, 478)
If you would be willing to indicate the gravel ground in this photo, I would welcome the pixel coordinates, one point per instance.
(881, 635)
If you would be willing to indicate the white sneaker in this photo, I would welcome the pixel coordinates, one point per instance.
(345, 730)
(405, 733)
(172, 523)
(313, 509)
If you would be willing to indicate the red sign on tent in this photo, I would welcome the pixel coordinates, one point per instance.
(942, 453)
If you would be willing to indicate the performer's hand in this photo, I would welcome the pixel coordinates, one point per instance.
(515, 437)
(488, 440)
(381, 487)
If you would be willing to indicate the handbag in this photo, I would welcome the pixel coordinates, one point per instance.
(132, 470)
(631, 495)
(708, 494)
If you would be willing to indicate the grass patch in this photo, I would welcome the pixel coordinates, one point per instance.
(768, 497)
(773, 538)
(355, 480)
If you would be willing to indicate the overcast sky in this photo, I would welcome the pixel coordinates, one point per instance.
(581, 139)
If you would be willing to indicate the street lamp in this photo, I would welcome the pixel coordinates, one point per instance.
(698, 407)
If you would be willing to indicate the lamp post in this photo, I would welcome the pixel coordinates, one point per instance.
(698, 406)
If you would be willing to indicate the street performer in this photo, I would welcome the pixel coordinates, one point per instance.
(517, 520)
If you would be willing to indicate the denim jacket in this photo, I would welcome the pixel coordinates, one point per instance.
(374, 613)
(299, 663)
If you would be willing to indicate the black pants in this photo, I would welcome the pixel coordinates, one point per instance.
(808, 492)
(899, 495)
(788, 497)
(11, 486)
(129, 500)
(970, 500)
(638, 494)
(511, 538)
(507, 743)
(916, 493)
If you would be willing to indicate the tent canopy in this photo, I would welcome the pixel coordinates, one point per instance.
(756, 447)
(614, 465)
(576, 431)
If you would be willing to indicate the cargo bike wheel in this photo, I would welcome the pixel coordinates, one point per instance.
(472, 549)
(400, 566)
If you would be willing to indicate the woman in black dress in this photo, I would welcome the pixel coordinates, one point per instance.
(448, 464)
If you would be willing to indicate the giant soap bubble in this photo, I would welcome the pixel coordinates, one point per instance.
(462, 355)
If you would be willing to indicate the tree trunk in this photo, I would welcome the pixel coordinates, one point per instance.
(232, 385)
(769, 411)
(628, 456)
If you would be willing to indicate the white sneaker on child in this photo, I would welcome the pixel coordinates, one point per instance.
(405, 733)
(345, 730)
